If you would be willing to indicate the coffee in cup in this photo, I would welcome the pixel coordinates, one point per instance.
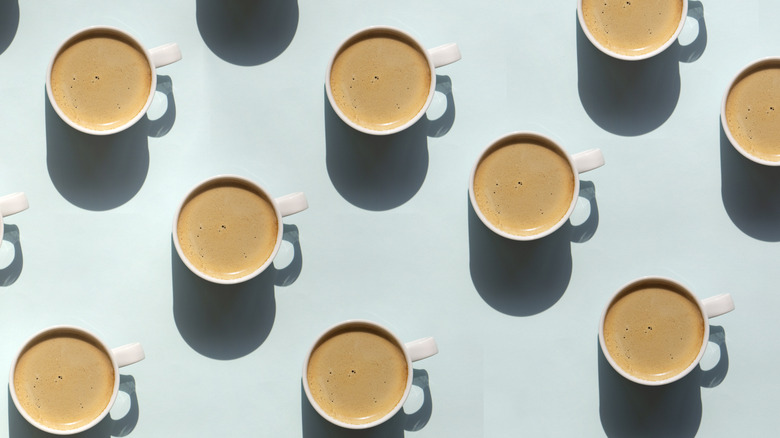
(228, 229)
(750, 113)
(358, 373)
(654, 331)
(381, 80)
(101, 80)
(524, 186)
(64, 379)
(632, 30)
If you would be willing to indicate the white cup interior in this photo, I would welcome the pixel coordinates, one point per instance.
(341, 326)
(63, 329)
(81, 34)
(198, 188)
(672, 285)
(378, 30)
(624, 57)
(509, 139)
(753, 66)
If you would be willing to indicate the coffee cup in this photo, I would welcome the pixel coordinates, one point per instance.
(101, 80)
(632, 30)
(654, 330)
(11, 204)
(358, 373)
(750, 111)
(381, 80)
(524, 185)
(228, 228)
(64, 379)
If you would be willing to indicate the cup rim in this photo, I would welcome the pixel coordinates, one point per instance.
(152, 87)
(395, 339)
(33, 338)
(419, 46)
(769, 60)
(678, 287)
(664, 46)
(504, 139)
(254, 185)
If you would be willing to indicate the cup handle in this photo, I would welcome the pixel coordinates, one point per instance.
(165, 54)
(13, 203)
(121, 427)
(718, 305)
(417, 420)
(444, 54)
(287, 275)
(588, 160)
(714, 376)
(584, 231)
(128, 354)
(693, 50)
(421, 348)
(291, 204)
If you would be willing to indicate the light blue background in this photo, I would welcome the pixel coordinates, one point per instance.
(389, 234)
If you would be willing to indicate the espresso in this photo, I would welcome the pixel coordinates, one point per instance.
(632, 27)
(227, 229)
(101, 80)
(357, 374)
(380, 80)
(653, 331)
(524, 186)
(64, 380)
(753, 111)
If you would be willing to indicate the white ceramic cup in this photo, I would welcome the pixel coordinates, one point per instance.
(753, 66)
(710, 308)
(121, 356)
(437, 57)
(283, 206)
(624, 57)
(157, 57)
(11, 204)
(413, 351)
(578, 163)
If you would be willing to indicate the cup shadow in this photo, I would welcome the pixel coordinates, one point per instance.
(628, 409)
(750, 193)
(524, 278)
(379, 173)
(627, 98)
(18, 427)
(227, 322)
(99, 173)
(9, 22)
(11, 272)
(93, 172)
(314, 426)
(247, 32)
(518, 278)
